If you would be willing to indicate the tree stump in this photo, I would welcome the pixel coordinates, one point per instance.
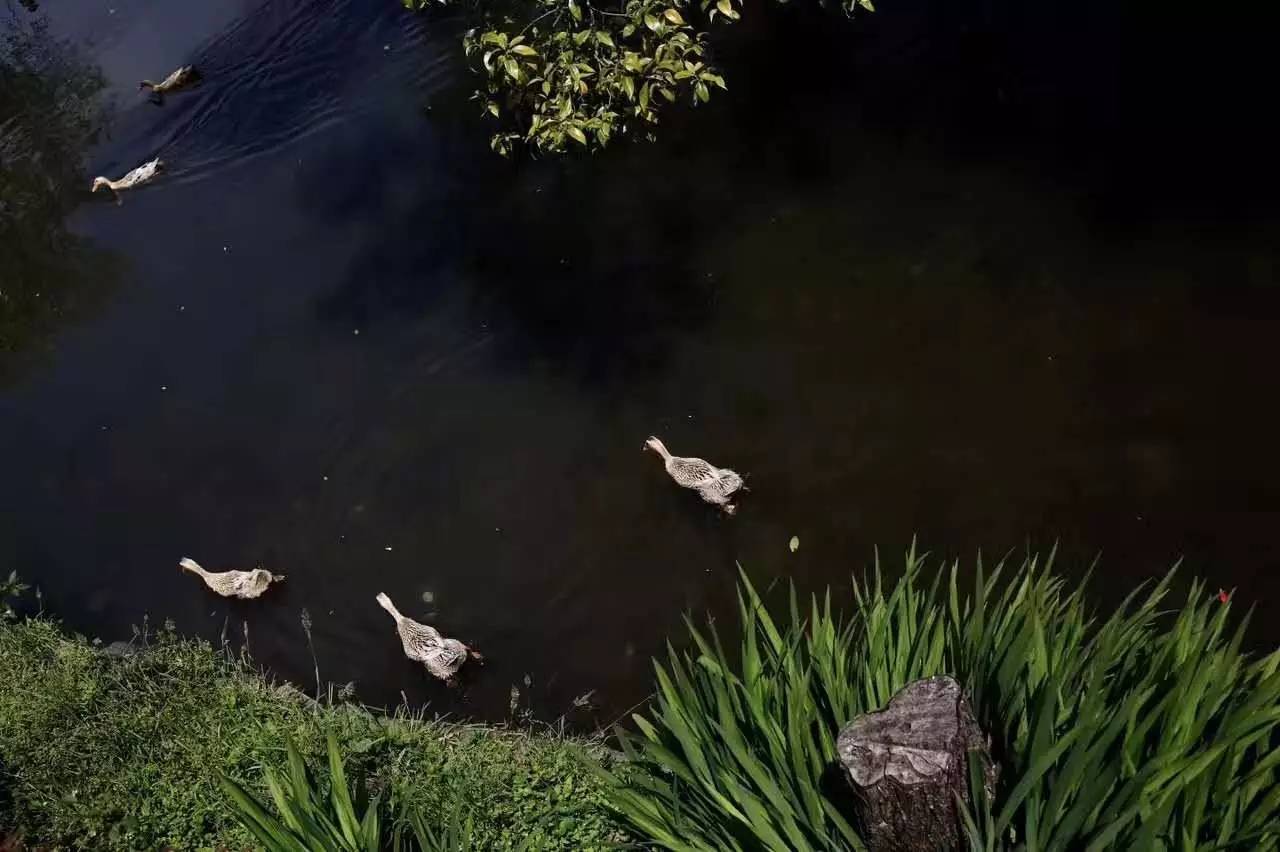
(909, 761)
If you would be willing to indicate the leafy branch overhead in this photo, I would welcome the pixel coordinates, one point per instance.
(565, 73)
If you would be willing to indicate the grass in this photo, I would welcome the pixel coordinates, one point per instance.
(1148, 729)
(104, 753)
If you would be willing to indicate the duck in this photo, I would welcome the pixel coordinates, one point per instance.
(714, 484)
(233, 584)
(185, 76)
(143, 174)
(422, 644)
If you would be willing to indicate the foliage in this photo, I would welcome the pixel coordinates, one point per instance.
(1144, 730)
(309, 821)
(560, 73)
(128, 753)
(9, 589)
(1136, 733)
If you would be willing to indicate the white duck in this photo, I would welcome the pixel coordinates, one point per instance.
(143, 174)
(714, 484)
(233, 584)
(442, 657)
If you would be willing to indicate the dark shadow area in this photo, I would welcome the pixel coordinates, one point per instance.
(50, 113)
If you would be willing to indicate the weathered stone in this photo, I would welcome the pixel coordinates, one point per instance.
(909, 761)
(120, 650)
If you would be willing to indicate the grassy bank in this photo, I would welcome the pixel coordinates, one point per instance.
(108, 753)
(1144, 728)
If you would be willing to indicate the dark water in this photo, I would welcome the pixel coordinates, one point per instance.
(995, 274)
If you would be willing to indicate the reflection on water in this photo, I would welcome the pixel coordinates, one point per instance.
(49, 114)
(280, 73)
(941, 289)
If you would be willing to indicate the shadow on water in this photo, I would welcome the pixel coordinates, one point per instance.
(928, 273)
(50, 113)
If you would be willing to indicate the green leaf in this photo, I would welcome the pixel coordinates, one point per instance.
(493, 108)
(523, 50)
(674, 17)
(795, 539)
(700, 89)
(513, 69)
(651, 22)
(575, 10)
(577, 134)
(604, 38)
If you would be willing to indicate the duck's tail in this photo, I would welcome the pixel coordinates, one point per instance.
(189, 564)
(385, 603)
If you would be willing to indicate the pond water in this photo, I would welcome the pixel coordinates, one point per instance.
(991, 276)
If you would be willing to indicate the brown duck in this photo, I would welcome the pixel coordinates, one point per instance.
(233, 584)
(714, 484)
(442, 657)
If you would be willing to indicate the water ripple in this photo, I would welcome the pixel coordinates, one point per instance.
(286, 71)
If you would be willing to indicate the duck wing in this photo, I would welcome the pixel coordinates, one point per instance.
(691, 472)
(418, 639)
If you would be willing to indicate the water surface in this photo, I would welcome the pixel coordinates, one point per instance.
(961, 284)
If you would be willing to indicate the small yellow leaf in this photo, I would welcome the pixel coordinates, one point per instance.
(795, 543)
(674, 17)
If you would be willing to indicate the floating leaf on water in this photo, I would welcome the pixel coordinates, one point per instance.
(428, 597)
(795, 543)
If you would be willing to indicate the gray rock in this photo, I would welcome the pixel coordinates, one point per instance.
(909, 761)
(120, 650)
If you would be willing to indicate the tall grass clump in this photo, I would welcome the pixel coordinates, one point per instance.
(306, 818)
(1147, 729)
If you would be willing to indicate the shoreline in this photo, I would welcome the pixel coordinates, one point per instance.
(111, 750)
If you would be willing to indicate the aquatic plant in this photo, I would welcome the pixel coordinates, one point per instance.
(1146, 728)
(566, 73)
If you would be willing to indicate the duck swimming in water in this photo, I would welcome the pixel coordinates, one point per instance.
(714, 484)
(178, 80)
(233, 584)
(143, 174)
(442, 657)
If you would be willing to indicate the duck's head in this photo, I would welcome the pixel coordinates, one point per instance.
(657, 446)
(99, 183)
